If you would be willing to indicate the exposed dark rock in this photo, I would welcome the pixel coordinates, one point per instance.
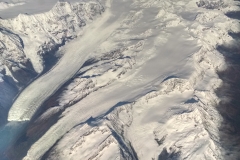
(229, 93)
(172, 155)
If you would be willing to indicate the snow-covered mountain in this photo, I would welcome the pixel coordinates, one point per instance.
(7, 5)
(114, 79)
(29, 41)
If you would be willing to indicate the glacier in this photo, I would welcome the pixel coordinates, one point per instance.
(134, 80)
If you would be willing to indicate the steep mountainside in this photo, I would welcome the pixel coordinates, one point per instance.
(114, 79)
(28, 42)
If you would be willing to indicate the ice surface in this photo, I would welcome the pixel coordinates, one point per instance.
(34, 37)
(30, 99)
(143, 87)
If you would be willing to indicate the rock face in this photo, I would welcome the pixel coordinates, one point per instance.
(210, 4)
(28, 41)
(13, 57)
(43, 33)
(144, 87)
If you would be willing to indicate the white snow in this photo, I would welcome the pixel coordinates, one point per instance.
(30, 99)
(12, 8)
(7, 5)
(151, 88)
(41, 33)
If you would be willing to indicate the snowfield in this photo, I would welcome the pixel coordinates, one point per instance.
(134, 80)
(24, 107)
(6, 5)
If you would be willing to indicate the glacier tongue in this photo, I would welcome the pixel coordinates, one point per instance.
(43, 33)
(141, 79)
(31, 99)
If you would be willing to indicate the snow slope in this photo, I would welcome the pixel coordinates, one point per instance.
(43, 33)
(141, 85)
(6, 5)
(22, 58)
(12, 8)
(29, 100)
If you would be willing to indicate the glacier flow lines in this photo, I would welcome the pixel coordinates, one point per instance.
(77, 52)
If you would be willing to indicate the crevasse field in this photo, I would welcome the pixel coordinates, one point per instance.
(115, 79)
